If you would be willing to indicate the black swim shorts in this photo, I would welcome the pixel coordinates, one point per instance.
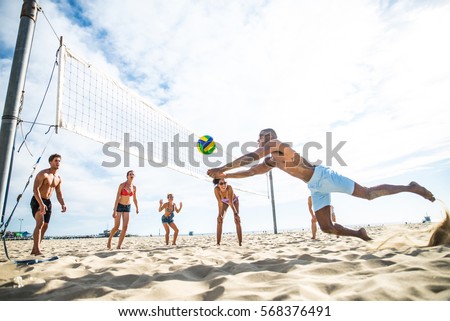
(35, 208)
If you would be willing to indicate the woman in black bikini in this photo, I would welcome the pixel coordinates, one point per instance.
(167, 219)
(224, 193)
(122, 208)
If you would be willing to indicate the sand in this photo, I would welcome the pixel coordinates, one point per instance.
(286, 266)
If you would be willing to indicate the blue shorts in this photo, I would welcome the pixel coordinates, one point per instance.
(123, 208)
(167, 219)
(325, 181)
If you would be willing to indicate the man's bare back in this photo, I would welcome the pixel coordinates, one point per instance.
(295, 166)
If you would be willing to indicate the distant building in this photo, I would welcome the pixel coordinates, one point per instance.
(17, 235)
(26, 235)
(107, 232)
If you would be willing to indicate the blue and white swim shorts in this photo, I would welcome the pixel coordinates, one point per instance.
(325, 181)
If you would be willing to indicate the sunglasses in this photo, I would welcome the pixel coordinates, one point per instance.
(223, 183)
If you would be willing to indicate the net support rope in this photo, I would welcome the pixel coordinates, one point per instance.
(19, 197)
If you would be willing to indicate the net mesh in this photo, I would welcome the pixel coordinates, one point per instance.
(94, 105)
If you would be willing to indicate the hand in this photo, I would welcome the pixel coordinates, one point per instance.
(43, 209)
(137, 211)
(160, 202)
(181, 204)
(114, 214)
(63, 208)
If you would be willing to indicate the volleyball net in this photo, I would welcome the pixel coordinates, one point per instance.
(93, 104)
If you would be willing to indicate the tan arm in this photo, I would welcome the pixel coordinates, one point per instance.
(254, 170)
(135, 201)
(59, 196)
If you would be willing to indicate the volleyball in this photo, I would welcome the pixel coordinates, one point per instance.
(206, 145)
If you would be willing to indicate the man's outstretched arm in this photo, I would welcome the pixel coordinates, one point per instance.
(273, 145)
(238, 162)
(254, 170)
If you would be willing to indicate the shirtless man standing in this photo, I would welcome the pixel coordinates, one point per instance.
(321, 180)
(45, 182)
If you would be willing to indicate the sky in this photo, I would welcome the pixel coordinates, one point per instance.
(369, 76)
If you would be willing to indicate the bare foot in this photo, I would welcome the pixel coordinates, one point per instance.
(363, 234)
(36, 253)
(422, 191)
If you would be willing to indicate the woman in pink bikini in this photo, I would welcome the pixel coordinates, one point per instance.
(122, 208)
(224, 193)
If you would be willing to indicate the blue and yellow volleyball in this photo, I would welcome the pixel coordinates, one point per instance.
(206, 144)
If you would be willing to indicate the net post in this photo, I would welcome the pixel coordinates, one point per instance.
(272, 198)
(14, 93)
(60, 88)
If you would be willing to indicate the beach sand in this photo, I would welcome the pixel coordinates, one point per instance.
(396, 265)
